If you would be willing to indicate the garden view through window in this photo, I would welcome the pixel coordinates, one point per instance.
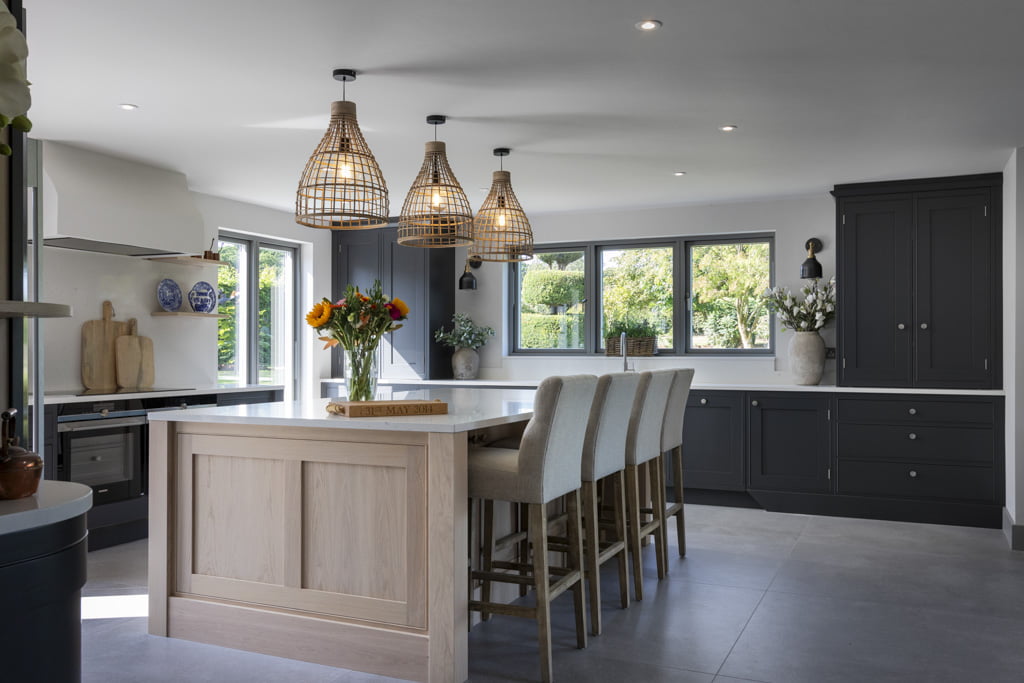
(640, 288)
(727, 280)
(551, 301)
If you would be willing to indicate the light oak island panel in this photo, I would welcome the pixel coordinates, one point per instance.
(319, 541)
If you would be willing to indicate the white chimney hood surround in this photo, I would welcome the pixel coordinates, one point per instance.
(97, 202)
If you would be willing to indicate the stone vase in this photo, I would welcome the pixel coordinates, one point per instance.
(807, 357)
(465, 363)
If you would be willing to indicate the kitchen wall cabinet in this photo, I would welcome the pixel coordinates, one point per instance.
(789, 441)
(919, 283)
(713, 441)
(423, 278)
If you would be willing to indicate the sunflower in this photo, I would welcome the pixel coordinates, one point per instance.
(320, 315)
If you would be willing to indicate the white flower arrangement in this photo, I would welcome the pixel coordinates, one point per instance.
(15, 98)
(812, 310)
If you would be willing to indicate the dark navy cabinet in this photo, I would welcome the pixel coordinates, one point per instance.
(423, 278)
(919, 283)
(713, 441)
(789, 441)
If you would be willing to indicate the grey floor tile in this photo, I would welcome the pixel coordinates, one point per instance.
(991, 584)
(796, 638)
(905, 536)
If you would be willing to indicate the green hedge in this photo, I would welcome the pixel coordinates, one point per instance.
(538, 331)
(553, 287)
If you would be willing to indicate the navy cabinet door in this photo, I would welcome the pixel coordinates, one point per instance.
(789, 442)
(955, 307)
(713, 441)
(874, 289)
(403, 352)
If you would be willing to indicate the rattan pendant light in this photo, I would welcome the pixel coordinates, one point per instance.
(501, 230)
(342, 186)
(436, 212)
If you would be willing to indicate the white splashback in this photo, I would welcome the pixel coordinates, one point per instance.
(184, 347)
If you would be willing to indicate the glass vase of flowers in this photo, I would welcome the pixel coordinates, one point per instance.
(356, 323)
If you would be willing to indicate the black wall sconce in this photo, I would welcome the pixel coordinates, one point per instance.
(810, 268)
(468, 280)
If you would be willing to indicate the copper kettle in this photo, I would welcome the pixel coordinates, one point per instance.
(20, 470)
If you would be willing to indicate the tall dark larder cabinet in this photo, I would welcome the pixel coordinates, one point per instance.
(423, 278)
(919, 283)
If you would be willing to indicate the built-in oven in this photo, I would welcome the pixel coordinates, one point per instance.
(104, 449)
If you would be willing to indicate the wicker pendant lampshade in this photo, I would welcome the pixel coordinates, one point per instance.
(501, 230)
(436, 212)
(342, 186)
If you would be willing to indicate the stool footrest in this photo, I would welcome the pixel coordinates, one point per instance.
(503, 608)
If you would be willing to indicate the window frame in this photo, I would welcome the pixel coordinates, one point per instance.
(593, 343)
(687, 244)
(253, 243)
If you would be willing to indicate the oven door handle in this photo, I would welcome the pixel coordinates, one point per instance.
(90, 425)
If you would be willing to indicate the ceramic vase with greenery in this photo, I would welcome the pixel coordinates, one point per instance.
(465, 337)
(805, 313)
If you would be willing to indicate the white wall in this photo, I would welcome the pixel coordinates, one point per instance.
(1013, 331)
(185, 348)
(793, 221)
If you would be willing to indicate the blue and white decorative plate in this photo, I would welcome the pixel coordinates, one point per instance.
(203, 297)
(168, 293)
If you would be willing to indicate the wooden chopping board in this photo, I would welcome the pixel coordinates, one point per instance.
(98, 337)
(134, 359)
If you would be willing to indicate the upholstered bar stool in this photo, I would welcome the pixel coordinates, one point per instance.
(604, 460)
(672, 442)
(643, 445)
(545, 467)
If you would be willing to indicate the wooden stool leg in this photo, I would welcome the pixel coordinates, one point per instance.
(591, 549)
(618, 490)
(658, 510)
(488, 554)
(522, 525)
(539, 534)
(677, 475)
(579, 600)
(633, 530)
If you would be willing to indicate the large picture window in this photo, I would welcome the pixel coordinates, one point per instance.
(695, 295)
(257, 289)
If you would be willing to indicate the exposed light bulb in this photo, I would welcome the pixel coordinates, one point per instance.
(501, 220)
(345, 172)
(436, 200)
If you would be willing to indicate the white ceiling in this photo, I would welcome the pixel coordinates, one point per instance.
(237, 94)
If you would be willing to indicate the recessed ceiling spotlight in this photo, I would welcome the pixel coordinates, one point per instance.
(728, 128)
(648, 25)
(127, 106)
(679, 173)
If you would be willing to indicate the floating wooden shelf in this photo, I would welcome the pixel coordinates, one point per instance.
(32, 309)
(188, 260)
(190, 313)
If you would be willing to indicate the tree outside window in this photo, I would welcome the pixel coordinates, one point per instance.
(726, 307)
(551, 293)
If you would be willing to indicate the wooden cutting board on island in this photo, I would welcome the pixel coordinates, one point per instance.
(99, 370)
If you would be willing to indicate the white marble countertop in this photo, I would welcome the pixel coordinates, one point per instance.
(487, 383)
(71, 395)
(467, 409)
(54, 502)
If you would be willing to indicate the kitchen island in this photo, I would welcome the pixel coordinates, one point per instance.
(280, 529)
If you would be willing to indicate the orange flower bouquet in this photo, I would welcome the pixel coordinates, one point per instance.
(356, 323)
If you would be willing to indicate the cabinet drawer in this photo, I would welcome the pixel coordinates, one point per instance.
(916, 480)
(917, 443)
(913, 411)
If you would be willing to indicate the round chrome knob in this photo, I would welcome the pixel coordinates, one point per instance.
(913, 474)
(183, 405)
(924, 326)
(105, 412)
(912, 436)
(703, 401)
(900, 326)
(753, 403)
(97, 458)
(912, 411)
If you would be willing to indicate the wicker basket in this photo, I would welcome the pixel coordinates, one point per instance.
(635, 346)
